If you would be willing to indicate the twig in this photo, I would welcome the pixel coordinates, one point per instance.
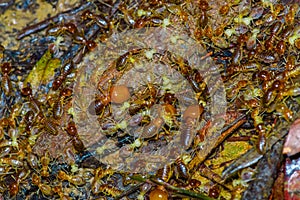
(129, 191)
(171, 187)
(207, 149)
(52, 20)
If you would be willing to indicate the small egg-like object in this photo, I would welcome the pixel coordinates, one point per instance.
(119, 94)
(158, 194)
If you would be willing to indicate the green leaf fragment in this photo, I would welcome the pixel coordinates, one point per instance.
(43, 71)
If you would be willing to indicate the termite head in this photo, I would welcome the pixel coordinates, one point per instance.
(5, 68)
(27, 91)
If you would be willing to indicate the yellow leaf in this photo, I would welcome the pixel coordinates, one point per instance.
(42, 72)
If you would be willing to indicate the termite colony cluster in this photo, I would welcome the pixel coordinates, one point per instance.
(45, 153)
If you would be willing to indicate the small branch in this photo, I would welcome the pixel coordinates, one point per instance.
(52, 20)
(171, 187)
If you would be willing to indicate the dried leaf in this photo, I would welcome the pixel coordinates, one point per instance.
(291, 145)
